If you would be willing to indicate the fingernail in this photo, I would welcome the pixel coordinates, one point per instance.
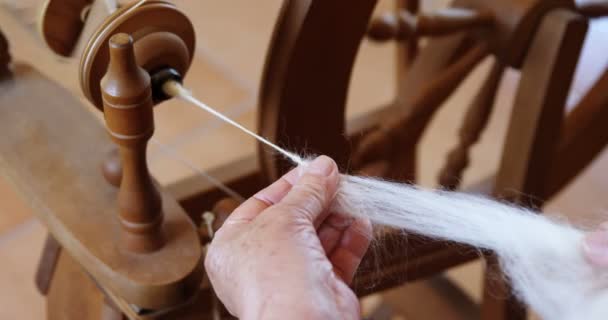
(322, 165)
(596, 248)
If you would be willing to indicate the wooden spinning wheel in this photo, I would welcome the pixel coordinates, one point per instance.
(302, 105)
(306, 80)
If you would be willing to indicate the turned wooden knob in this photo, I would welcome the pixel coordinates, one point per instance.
(403, 24)
(213, 220)
(384, 28)
(127, 101)
(111, 168)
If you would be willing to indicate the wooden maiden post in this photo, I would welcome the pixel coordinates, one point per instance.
(127, 101)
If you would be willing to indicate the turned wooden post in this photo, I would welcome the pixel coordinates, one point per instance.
(475, 121)
(111, 167)
(127, 100)
(404, 24)
(5, 57)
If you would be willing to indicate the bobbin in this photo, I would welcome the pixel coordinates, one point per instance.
(163, 38)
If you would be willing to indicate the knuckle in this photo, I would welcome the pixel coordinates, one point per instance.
(213, 260)
(312, 195)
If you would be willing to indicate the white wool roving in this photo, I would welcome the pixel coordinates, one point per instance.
(542, 258)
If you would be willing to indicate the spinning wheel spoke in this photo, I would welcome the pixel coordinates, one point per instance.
(403, 24)
(396, 139)
(475, 121)
(594, 8)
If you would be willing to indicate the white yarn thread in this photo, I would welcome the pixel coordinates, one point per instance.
(542, 258)
(175, 89)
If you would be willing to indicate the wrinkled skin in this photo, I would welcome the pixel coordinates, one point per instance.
(283, 255)
(596, 246)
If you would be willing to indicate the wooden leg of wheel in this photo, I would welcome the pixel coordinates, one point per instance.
(47, 264)
(498, 300)
(72, 294)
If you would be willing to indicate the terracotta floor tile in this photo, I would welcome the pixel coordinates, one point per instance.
(19, 253)
(13, 210)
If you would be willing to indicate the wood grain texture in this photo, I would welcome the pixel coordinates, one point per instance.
(58, 136)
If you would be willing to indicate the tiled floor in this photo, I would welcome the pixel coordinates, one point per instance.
(232, 39)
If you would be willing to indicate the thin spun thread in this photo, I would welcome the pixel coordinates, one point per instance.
(175, 89)
(170, 152)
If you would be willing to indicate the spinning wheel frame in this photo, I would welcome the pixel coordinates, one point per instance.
(301, 88)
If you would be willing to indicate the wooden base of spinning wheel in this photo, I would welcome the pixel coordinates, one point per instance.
(78, 207)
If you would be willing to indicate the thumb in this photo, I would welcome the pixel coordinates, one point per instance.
(312, 194)
(596, 247)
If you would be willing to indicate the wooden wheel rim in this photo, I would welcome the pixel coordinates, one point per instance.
(138, 20)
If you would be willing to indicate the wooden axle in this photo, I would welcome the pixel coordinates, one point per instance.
(127, 100)
(403, 24)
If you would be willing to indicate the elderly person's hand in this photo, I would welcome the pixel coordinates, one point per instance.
(596, 246)
(283, 255)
